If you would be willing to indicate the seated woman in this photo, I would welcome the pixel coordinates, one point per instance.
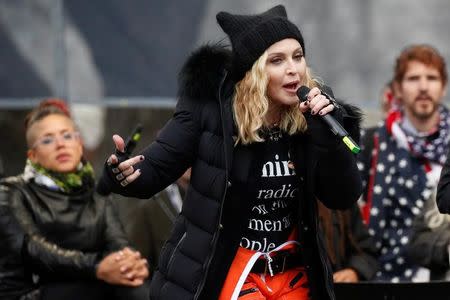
(53, 225)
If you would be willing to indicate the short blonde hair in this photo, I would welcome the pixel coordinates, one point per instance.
(250, 104)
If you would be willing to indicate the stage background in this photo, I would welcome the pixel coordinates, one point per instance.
(116, 62)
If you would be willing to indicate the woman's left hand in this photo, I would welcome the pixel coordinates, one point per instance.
(317, 103)
(124, 171)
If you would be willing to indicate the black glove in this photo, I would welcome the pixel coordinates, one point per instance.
(108, 182)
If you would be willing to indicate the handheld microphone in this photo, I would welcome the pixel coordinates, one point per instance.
(133, 139)
(334, 125)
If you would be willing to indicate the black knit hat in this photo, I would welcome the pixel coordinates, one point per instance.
(251, 35)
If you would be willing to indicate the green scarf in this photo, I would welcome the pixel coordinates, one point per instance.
(66, 182)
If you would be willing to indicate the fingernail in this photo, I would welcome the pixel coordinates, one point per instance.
(138, 171)
(142, 157)
(122, 269)
(313, 112)
(320, 112)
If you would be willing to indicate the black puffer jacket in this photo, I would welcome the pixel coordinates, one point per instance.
(195, 260)
(56, 235)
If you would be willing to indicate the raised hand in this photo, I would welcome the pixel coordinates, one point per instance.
(122, 166)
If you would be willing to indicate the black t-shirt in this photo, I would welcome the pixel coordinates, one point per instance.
(274, 196)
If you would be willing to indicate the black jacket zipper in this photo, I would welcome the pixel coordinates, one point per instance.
(217, 233)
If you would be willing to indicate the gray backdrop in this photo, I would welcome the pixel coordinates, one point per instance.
(117, 61)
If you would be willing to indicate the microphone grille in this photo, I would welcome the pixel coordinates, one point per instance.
(302, 92)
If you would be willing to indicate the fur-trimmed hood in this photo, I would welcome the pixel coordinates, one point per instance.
(204, 70)
(202, 74)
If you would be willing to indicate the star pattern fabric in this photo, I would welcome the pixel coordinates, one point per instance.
(434, 145)
(400, 189)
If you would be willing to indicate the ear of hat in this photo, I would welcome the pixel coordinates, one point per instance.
(251, 35)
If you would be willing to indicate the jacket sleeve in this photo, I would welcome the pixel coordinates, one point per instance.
(429, 244)
(167, 158)
(338, 183)
(115, 237)
(363, 260)
(443, 189)
(11, 234)
(44, 256)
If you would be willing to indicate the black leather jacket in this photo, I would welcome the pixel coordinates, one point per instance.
(56, 235)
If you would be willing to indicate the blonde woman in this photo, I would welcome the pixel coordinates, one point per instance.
(259, 158)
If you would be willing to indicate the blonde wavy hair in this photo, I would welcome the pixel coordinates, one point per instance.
(251, 104)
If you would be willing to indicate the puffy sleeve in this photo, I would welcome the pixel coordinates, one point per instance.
(337, 179)
(167, 158)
